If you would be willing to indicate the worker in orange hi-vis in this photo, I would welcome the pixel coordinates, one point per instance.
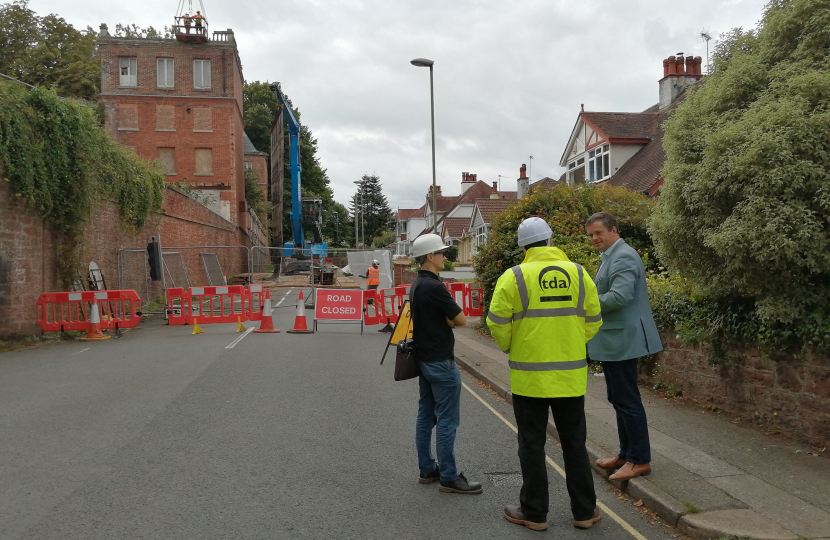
(187, 20)
(373, 275)
(197, 19)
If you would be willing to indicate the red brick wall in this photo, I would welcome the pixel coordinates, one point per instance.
(788, 394)
(27, 251)
(223, 99)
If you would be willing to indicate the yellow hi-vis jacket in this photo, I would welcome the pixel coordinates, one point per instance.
(543, 312)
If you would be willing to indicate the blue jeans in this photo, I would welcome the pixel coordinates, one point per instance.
(624, 395)
(439, 407)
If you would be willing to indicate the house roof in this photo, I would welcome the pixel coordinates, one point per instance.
(444, 204)
(547, 182)
(490, 208)
(406, 213)
(247, 146)
(508, 195)
(454, 227)
(623, 125)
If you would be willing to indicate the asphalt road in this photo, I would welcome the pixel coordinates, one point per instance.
(163, 434)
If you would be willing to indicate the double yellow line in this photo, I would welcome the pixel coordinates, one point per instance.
(610, 513)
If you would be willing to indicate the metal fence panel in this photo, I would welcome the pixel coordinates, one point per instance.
(213, 270)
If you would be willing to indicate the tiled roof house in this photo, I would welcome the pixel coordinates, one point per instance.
(626, 149)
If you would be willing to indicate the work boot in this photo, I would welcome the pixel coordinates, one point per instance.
(514, 514)
(460, 485)
(429, 478)
(587, 523)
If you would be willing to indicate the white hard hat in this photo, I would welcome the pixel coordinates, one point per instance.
(375, 261)
(533, 230)
(426, 244)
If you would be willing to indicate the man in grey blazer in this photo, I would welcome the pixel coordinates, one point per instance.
(627, 333)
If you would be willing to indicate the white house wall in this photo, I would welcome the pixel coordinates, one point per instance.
(620, 153)
(462, 210)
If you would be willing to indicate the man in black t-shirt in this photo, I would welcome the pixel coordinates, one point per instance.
(434, 314)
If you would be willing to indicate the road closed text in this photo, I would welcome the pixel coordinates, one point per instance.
(339, 304)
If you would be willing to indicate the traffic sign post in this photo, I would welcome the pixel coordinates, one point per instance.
(338, 306)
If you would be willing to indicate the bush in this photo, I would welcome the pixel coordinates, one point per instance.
(566, 210)
(451, 253)
(745, 208)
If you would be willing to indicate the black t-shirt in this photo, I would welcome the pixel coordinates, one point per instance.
(431, 305)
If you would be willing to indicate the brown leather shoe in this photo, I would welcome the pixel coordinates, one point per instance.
(630, 470)
(514, 514)
(610, 463)
(588, 523)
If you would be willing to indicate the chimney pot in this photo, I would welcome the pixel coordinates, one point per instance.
(495, 187)
(672, 66)
(698, 65)
(666, 68)
(523, 171)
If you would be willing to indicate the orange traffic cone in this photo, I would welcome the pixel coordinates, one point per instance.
(94, 333)
(300, 326)
(267, 325)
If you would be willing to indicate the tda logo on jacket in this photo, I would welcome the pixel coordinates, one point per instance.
(554, 277)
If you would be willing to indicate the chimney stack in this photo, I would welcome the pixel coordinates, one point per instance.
(679, 73)
(468, 180)
(523, 183)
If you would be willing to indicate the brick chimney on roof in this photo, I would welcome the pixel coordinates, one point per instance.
(679, 73)
(468, 180)
(523, 183)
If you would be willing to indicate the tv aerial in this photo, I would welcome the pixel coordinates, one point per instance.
(705, 35)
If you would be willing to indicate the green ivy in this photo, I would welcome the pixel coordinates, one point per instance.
(61, 163)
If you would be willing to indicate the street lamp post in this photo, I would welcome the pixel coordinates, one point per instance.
(423, 62)
(357, 218)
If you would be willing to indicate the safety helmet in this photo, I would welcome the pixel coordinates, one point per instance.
(532, 230)
(426, 244)
(375, 262)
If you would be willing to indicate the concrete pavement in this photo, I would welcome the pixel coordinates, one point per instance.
(711, 477)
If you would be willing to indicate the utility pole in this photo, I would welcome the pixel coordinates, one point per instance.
(530, 170)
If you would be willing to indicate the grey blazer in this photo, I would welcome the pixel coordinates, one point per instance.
(628, 330)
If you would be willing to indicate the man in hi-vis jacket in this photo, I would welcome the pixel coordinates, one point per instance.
(542, 313)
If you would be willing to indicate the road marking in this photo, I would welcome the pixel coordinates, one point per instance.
(79, 352)
(624, 524)
(284, 297)
(240, 338)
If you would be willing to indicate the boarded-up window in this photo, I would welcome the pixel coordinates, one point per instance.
(202, 119)
(201, 74)
(204, 161)
(167, 156)
(165, 118)
(128, 117)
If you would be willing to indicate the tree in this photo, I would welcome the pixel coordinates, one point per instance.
(745, 208)
(370, 205)
(260, 107)
(48, 51)
(338, 228)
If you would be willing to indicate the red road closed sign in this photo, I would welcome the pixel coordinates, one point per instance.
(338, 304)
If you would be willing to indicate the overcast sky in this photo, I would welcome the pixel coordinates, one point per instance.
(509, 75)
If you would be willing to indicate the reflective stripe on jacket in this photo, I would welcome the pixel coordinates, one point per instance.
(543, 312)
(374, 276)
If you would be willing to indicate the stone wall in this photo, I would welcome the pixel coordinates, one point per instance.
(28, 251)
(789, 395)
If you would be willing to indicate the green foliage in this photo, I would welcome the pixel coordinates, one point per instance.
(60, 162)
(260, 107)
(370, 204)
(565, 209)
(254, 196)
(451, 254)
(448, 265)
(384, 239)
(338, 228)
(136, 32)
(48, 51)
(745, 208)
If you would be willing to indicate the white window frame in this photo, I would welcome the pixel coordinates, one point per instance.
(201, 74)
(481, 235)
(165, 72)
(130, 78)
(599, 163)
(249, 165)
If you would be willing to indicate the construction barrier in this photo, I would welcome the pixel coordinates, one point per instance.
(475, 296)
(178, 305)
(213, 305)
(459, 294)
(58, 311)
(370, 304)
(390, 302)
(255, 302)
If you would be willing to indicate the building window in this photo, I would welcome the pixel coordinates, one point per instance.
(127, 71)
(481, 235)
(249, 165)
(165, 118)
(164, 72)
(202, 119)
(167, 157)
(204, 162)
(598, 163)
(128, 117)
(201, 74)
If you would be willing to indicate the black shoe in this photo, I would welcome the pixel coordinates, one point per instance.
(430, 477)
(460, 485)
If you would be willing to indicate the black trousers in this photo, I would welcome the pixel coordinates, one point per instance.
(632, 424)
(532, 420)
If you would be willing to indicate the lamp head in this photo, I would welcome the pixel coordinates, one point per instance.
(422, 62)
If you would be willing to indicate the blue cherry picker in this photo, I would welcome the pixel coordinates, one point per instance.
(300, 255)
